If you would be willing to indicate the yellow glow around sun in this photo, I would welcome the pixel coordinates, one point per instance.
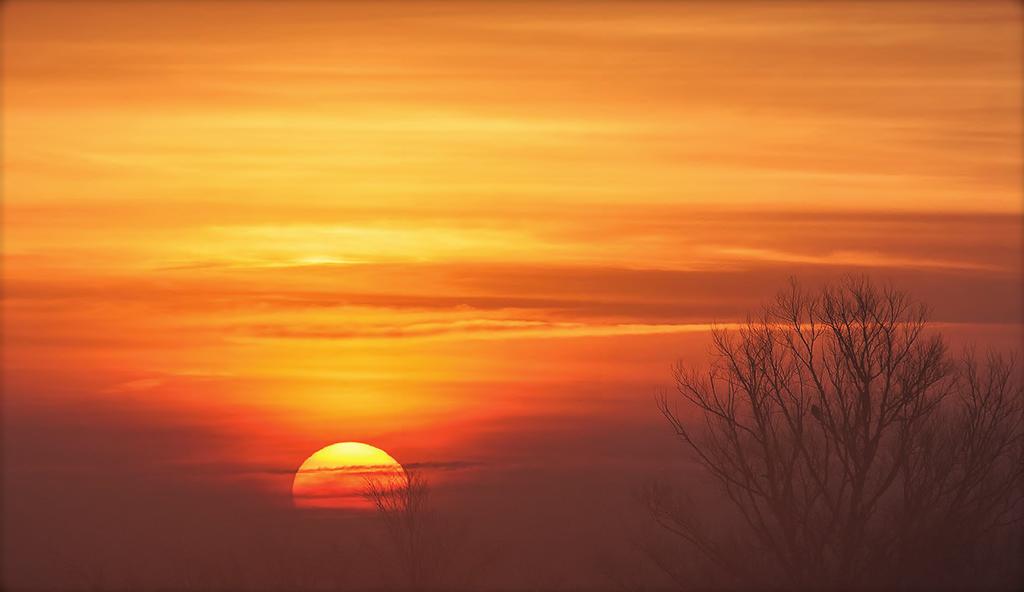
(336, 476)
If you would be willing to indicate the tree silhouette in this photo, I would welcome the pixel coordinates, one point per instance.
(430, 548)
(401, 503)
(851, 447)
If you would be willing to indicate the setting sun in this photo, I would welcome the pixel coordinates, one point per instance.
(337, 476)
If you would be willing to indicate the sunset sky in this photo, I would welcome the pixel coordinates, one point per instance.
(473, 234)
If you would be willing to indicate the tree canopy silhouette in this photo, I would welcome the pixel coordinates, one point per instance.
(853, 448)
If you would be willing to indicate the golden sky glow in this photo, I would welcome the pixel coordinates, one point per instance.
(408, 222)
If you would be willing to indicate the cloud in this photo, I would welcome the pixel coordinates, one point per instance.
(231, 468)
(472, 329)
(131, 386)
(866, 259)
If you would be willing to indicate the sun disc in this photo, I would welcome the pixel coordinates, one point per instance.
(337, 476)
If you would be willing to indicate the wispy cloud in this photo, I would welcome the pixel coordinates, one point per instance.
(862, 259)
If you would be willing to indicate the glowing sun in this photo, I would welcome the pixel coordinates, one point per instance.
(336, 476)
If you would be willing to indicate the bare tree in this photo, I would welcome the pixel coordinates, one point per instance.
(401, 502)
(853, 449)
(427, 544)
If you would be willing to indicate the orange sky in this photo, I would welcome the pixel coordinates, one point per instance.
(422, 224)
